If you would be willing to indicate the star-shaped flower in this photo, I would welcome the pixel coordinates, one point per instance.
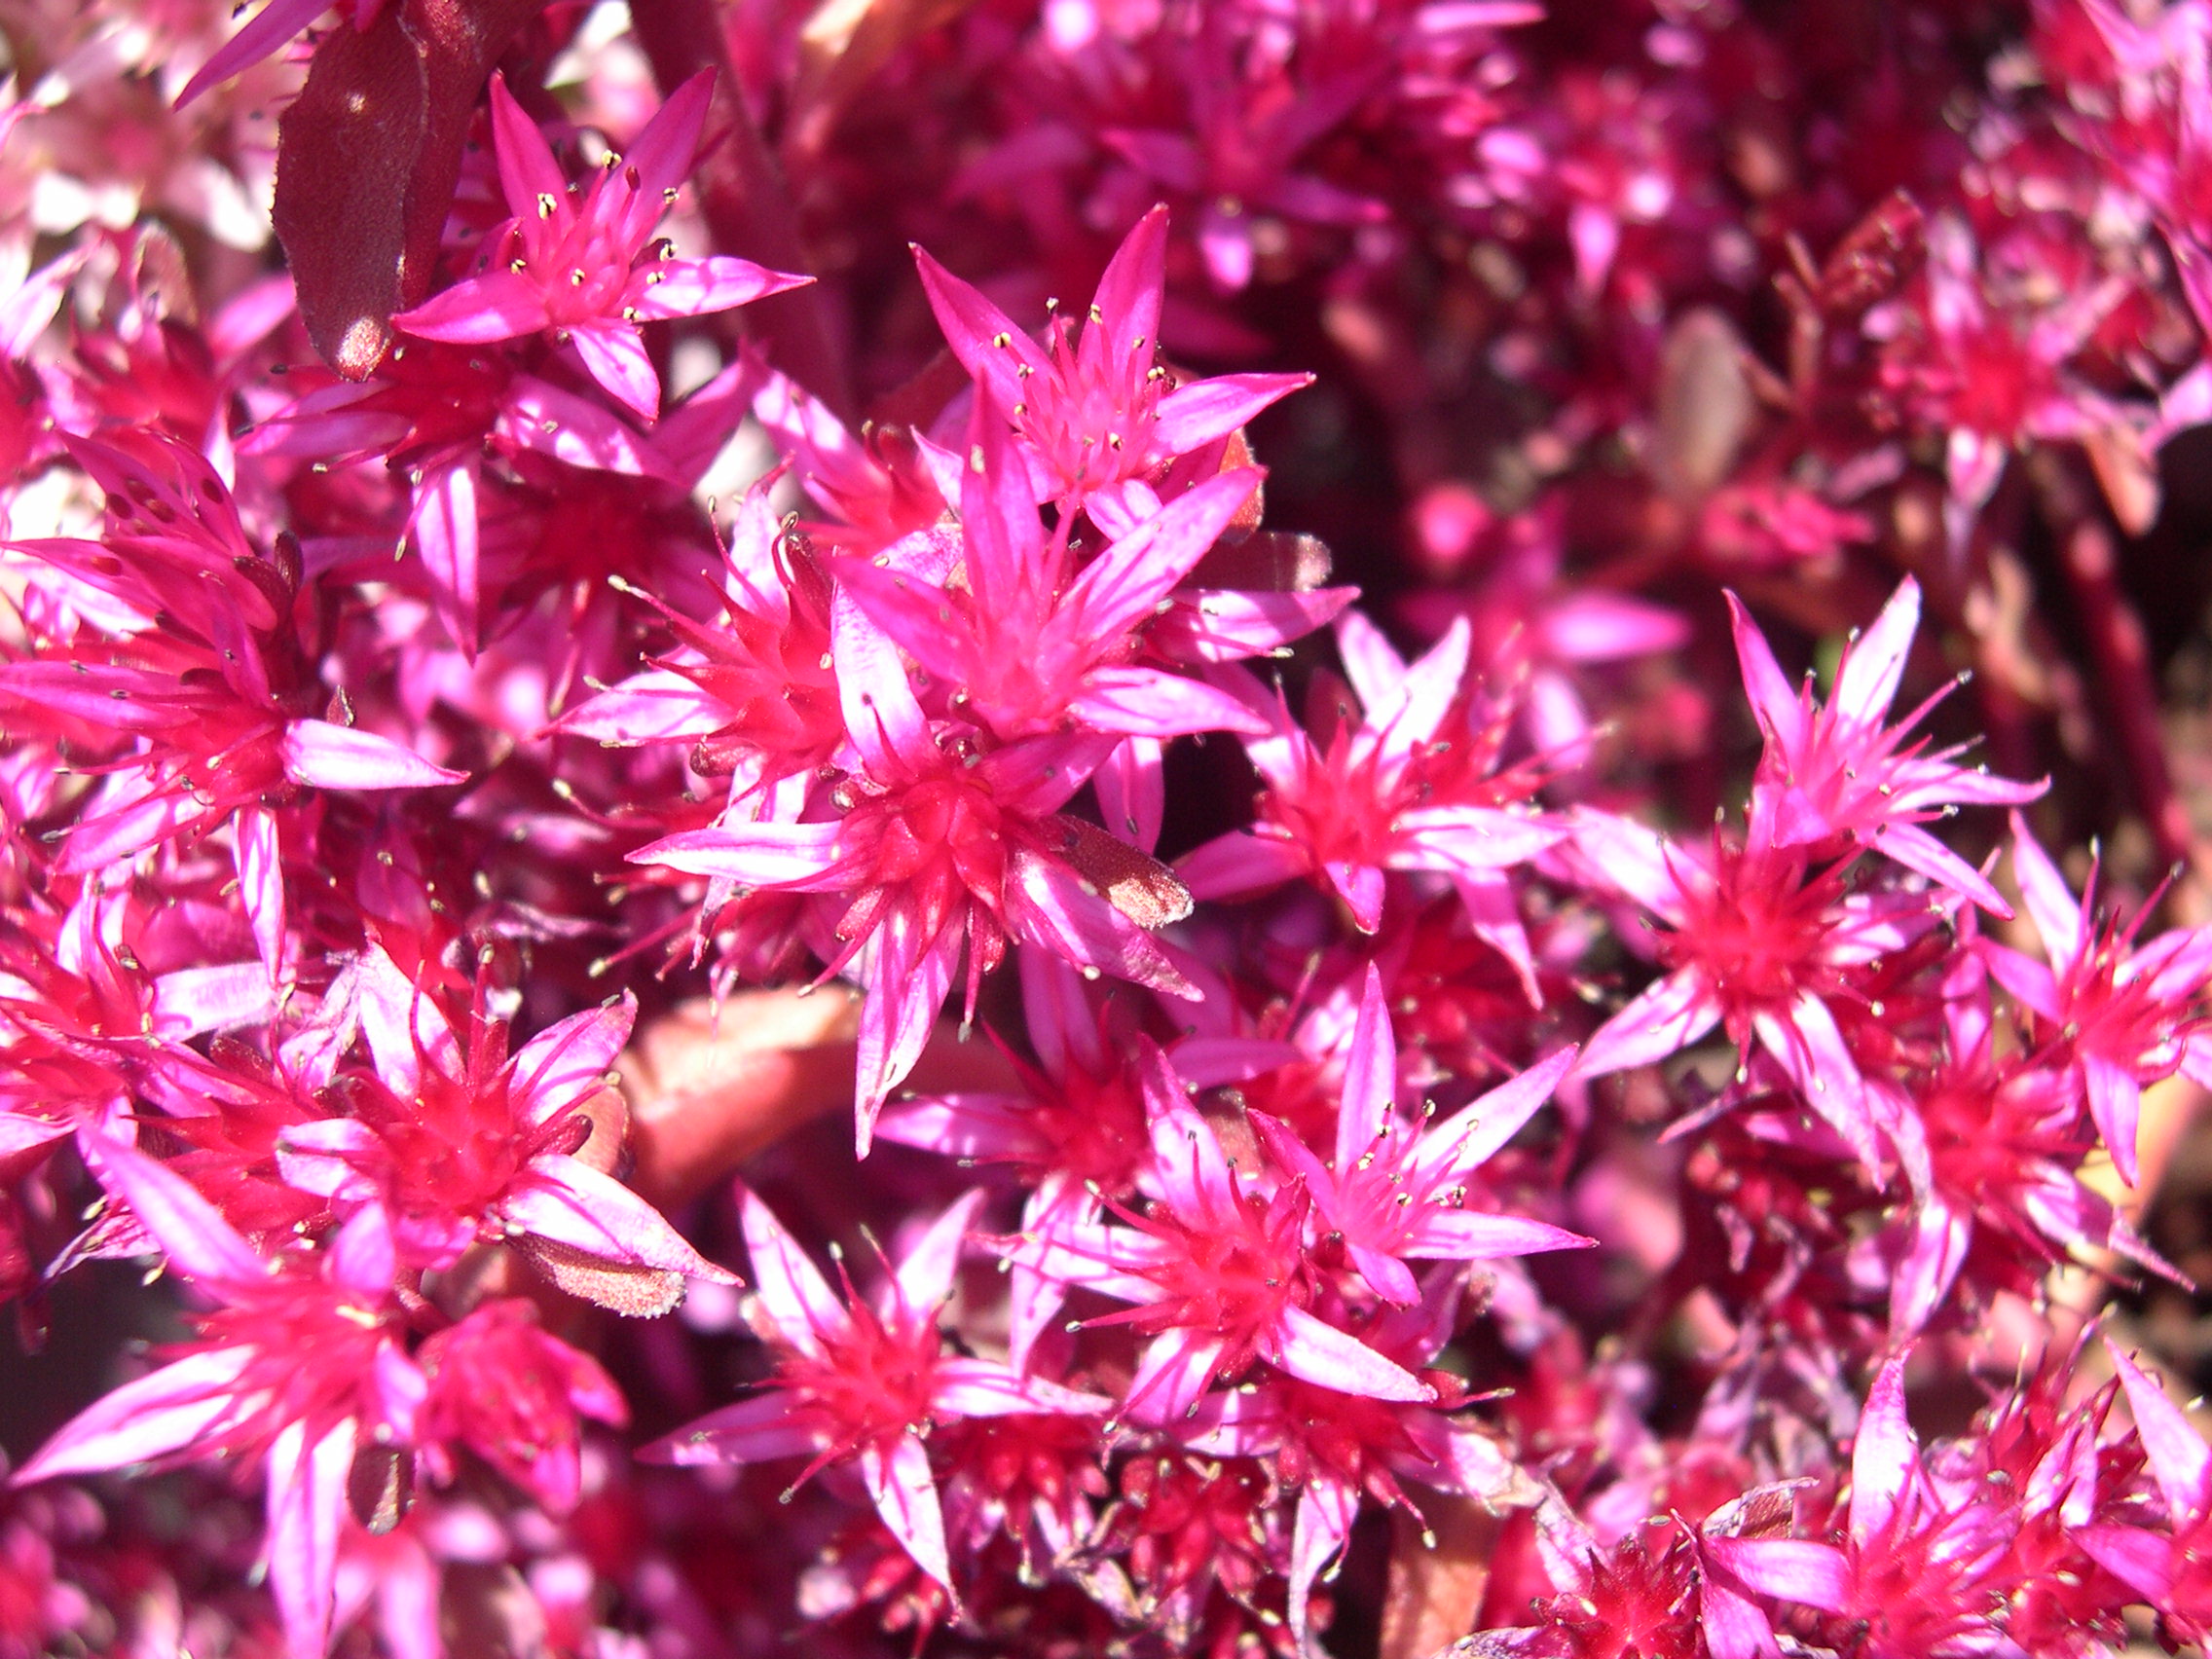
(577, 264)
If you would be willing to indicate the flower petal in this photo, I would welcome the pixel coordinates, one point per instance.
(329, 756)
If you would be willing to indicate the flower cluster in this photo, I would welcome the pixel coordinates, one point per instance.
(1498, 860)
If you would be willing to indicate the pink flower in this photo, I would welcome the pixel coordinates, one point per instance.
(938, 847)
(300, 1365)
(210, 696)
(1996, 1170)
(863, 1378)
(574, 267)
(1081, 1130)
(458, 1142)
(1834, 773)
(1029, 641)
(2164, 1561)
(272, 27)
(2128, 1015)
(1406, 787)
(1396, 1189)
(1101, 424)
(512, 1394)
(1338, 1450)
(1218, 1271)
(754, 692)
(1758, 944)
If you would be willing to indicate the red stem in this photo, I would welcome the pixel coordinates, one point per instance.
(2121, 650)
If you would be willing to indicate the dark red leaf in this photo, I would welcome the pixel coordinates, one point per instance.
(367, 157)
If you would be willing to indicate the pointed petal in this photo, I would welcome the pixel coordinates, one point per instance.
(169, 1411)
(1172, 1376)
(909, 978)
(2052, 904)
(614, 355)
(274, 25)
(2180, 1461)
(1362, 887)
(1936, 1251)
(2115, 1102)
(569, 1059)
(529, 174)
(1152, 703)
(699, 288)
(1916, 849)
(261, 883)
(1667, 1019)
(1212, 409)
(1370, 1094)
(898, 1480)
(305, 1512)
(1468, 840)
(1389, 1279)
(497, 305)
(444, 528)
(1475, 1236)
(788, 1285)
(1126, 584)
(1240, 863)
(573, 1203)
(1128, 294)
(884, 720)
(1814, 1575)
(752, 854)
(199, 1242)
(1318, 1354)
(1327, 1506)
(759, 1430)
(1866, 684)
(663, 154)
(1811, 1050)
(1049, 904)
(1471, 1135)
(1883, 1455)
(924, 1273)
(1780, 711)
(975, 1388)
(1411, 716)
(984, 339)
(329, 756)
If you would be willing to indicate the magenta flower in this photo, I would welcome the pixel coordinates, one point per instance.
(577, 266)
(2128, 1015)
(1081, 1131)
(863, 1378)
(939, 847)
(301, 1364)
(1032, 643)
(1996, 1167)
(432, 413)
(1834, 773)
(1405, 789)
(1218, 1271)
(1941, 1551)
(513, 1393)
(1340, 1451)
(458, 1142)
(209, 696)
(1757, 944)
(754, 693)
(1396, 1189)
(2165, 1561)
(1101, 422)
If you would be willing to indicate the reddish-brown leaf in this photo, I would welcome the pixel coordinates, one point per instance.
(367, 157)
